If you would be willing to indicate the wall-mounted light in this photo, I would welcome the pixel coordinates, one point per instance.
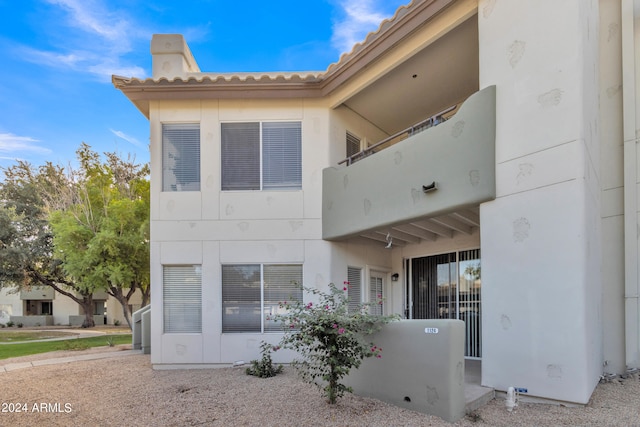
(395, 277)
(431, 187)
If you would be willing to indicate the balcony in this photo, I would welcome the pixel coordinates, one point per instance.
(422, 187)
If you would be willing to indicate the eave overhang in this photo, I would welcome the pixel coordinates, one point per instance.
(406, 20)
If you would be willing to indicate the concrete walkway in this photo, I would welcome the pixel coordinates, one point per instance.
(79, 358)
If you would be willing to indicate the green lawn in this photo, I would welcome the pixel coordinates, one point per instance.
(17, 336)
(25, 349)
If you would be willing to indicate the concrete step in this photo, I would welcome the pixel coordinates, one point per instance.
(476, 396)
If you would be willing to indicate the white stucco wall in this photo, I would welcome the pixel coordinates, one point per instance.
(540, 237)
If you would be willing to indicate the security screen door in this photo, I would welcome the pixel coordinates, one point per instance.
(448, 286)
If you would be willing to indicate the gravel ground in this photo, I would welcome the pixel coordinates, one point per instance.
(126, 391)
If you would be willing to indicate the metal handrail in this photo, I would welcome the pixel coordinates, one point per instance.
(434, 120)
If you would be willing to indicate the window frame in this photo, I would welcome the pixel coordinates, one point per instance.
(260, 159)
(167, 154)
(265, 307)
(182, 303)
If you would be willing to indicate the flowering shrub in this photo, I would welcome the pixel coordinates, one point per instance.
(330, 340)
(264, 368)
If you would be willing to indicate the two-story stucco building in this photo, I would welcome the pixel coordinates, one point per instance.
(471, 159)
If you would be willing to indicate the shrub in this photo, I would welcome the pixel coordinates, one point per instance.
(116, 322)
(110, 341)
(330, 340)
(264, 368)
(10, 324)
(2, 325)
(19, 325)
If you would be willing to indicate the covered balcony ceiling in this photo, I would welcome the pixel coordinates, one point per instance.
(442, 74)
(461, 222)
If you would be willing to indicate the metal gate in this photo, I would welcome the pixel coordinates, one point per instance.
(448, 286)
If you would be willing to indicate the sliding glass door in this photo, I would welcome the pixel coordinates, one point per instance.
(447, 286)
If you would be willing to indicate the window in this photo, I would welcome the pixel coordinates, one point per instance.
(353, 144)
(181, 157)
(182, 299)
(376, 295)
(252, 292)
(261, 156)
(354, 288)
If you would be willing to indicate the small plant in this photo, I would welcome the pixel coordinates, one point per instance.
(19, 325)
(264, 368)
(116, 322)
(110, 341)
(10, 324)
(330, 339)
(2, 325)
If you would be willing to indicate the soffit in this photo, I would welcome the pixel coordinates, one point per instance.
(461, 222)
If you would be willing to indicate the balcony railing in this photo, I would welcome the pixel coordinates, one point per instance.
(441, 170)
(432, 121)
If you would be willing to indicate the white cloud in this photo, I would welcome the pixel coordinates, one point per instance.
(10, 143)
(109, 33)
(127, 138)
(360, 18)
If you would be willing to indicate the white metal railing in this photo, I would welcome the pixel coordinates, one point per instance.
(432, 121)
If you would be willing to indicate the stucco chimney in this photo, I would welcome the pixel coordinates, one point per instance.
(171, 57)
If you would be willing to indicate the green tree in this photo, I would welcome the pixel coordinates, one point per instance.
(102, 239)
(27, 195)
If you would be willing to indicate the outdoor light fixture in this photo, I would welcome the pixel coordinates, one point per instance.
(431, 187)
(395, 277)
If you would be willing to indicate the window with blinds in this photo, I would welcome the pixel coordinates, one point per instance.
(354, 289)
(375, 295)
(252, 292)
(182, 299)
(353, 144)
(181, 157)
(261, 156)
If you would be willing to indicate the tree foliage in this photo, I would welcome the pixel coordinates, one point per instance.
(26, 246)
(330, 339)
(77, 231)
(102, 238)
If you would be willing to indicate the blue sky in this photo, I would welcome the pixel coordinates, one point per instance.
(57, 58)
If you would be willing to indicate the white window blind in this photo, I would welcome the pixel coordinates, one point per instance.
(261, 156)
(182, 299)
(252, 292)
(281, 155)
(375, 295)
(181, 157)
(281, 283)
(240, 156)
(354, 288)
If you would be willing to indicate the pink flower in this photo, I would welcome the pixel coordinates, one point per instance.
(291, 326)
(334, 326)
(344, 289)
(310, 305)
(341, 331)
(346, 282)
(326, 307)
(276, 347)
(379, 356)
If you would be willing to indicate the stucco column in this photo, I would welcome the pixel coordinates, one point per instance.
(540, 237)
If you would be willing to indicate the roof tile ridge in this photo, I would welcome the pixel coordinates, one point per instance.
(384, 25)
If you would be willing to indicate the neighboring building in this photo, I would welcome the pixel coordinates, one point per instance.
(533, 178)
(43, 306)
